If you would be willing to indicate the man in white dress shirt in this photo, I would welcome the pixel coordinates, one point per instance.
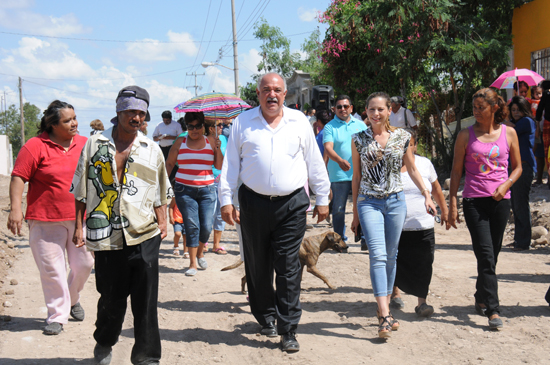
(166, 132)
(400, 116)
(273, 151)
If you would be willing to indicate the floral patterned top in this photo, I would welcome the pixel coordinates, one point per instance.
(381, 167)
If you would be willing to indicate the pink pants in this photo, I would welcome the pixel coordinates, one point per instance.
(48, 242)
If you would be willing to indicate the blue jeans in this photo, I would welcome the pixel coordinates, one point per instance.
(196, 205)
(340, 192)
(382, 221)
(219, 223)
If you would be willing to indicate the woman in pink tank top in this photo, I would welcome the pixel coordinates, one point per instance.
(484, 150)
(194, 188)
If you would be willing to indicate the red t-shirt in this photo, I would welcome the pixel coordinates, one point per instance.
(49, 170)
(177, 215)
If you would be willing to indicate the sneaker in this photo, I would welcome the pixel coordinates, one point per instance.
(397, 303)
(103, 354)
(495, 324)
(203, 265)
(191, 272)
(424, 310)
(77, 312)
(53, 328)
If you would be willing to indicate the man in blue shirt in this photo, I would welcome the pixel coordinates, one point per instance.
(337, 141)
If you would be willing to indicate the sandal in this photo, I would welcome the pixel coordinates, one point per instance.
(394, 323)
(220, 251)
(176, 252)
(384, 330)
(186, 255)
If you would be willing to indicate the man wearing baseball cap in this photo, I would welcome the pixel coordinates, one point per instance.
(119, 181)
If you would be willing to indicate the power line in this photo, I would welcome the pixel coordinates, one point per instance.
(68, 91)
(231, 35)
(211, 35)
(103, 40)
(200, 46)
(245, 24)
(127, 41)
(248, 26)
(260, 13)
(119, 78)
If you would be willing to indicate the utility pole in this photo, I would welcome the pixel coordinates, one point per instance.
(21, 112)
(197, 87)
(235, 51)
(3, 113)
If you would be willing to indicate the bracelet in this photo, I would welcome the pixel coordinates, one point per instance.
(423, 190)
(512, 181)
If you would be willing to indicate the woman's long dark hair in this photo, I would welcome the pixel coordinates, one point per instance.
(52, 115)
(522, 104)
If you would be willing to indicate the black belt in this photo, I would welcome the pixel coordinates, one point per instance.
(273, 197)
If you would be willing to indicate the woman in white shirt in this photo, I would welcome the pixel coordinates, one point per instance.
(417, 242)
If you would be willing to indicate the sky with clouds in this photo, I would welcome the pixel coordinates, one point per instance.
(85, 52)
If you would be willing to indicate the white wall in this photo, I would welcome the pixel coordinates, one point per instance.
(6, 163)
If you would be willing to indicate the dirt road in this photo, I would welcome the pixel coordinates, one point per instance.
(206, 319)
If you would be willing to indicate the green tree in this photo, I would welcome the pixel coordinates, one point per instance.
(248, 93)
(312, 63)
(275, 50)
(11, 124)
(396, 46)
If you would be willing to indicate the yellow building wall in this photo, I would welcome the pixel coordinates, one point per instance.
(530, 30)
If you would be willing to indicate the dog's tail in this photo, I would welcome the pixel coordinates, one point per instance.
(233, 266)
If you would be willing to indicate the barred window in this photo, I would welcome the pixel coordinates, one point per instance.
(540, 62)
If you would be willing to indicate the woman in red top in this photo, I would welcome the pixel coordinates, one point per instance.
(194, 187)
(48, 162)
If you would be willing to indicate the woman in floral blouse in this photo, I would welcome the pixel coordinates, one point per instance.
(379, 202)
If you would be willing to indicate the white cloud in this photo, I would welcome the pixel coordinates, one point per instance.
(92, 99)
(43, 59)
(154, 50)
(15, 14)
(219, 81)
(249, 61)
(165, 96)
(303, 55)
(15, 4)
(307, 15)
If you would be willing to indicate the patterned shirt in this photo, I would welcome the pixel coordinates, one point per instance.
(381, 167)
(115, 209)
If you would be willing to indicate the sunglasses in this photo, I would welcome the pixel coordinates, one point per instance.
(342, 107)
(194, 126)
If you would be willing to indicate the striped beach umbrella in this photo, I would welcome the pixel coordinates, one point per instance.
(214, 105)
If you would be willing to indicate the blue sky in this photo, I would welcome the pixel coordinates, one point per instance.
(150, 44)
